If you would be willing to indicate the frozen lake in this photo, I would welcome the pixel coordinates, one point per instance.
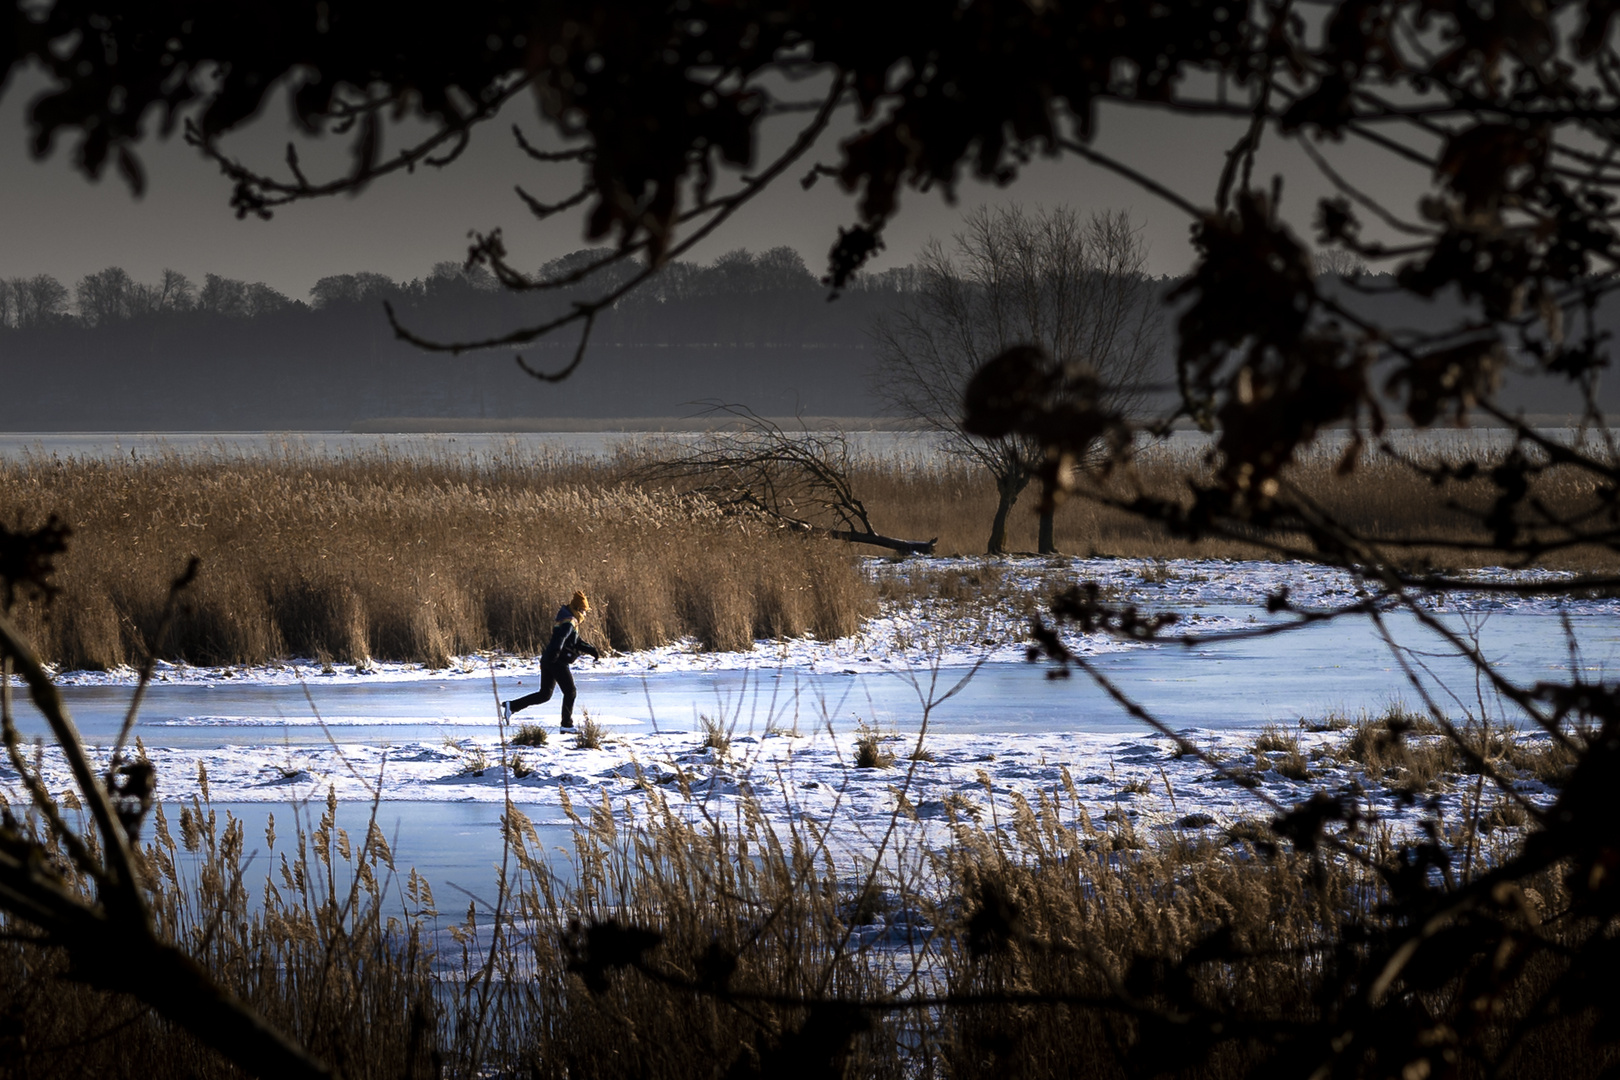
(594, 445)
(461, 446)
(272, 742)
(1219, 684)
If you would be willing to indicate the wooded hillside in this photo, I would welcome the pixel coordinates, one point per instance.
(114, 354)
(752, 328)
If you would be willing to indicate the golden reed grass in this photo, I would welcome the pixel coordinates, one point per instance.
(408, 559)
(718, 938)
(952, 500)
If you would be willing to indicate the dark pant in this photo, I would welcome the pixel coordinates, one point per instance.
(550, 679)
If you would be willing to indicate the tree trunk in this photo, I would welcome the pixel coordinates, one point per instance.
(850, 536)
(904, 547)
(1046, 545)
(1009, 486)
(998, 528)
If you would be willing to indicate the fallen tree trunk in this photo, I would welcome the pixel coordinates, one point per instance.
(764, 472)
(905, 547)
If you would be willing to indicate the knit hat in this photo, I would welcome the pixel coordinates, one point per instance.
(580, 604)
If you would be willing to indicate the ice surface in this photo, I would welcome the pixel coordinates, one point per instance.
(1215, 595)
(288, 732)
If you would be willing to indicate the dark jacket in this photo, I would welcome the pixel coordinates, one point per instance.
(566, 644)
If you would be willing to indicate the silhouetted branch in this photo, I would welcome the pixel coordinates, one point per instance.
(259, 194)
(714, 214)
(796, 479)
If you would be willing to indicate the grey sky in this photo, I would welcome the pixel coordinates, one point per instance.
(57, 222)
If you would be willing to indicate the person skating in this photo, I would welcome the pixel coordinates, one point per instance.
(563, 649)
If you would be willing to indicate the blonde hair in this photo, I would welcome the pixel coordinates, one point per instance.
(580, 604)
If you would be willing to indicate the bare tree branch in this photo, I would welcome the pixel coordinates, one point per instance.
(800, 480)
(1075, 289)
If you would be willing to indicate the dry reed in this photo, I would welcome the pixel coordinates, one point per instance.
(686, 946)
(1384, 498)
(871, 750)
(314, 952)
(400, 559)
(396, 558)
(589, 735)
(1381, 498)
(716, 734)
(528, 735)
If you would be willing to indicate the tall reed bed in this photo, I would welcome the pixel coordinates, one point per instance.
(422, 559)
(302, 938)
(371, 556)
(951, 498)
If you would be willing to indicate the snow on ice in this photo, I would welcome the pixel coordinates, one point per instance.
(804, 769)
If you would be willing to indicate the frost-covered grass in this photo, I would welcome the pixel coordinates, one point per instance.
(720, 897)
(792, 859)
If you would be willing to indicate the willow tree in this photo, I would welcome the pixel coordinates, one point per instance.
(1074, 287)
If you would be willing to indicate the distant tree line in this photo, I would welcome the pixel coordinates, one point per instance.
(754, 329)
(113, 353)
(112, 295)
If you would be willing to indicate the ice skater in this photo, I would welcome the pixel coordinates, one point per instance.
(564, 649)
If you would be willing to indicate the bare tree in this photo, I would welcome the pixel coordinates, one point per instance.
(112, 295)
(37, 300)
(1337, 262)
(107, 296)
(239, 300)
(350, 288)
(1073, 287)
(797, 479)
(176, 293)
